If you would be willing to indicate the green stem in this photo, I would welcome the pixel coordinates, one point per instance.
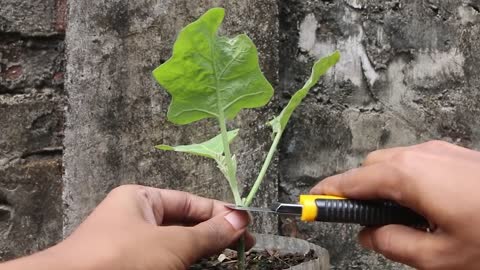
(231, 175)
(241, 253)
(263, 171)
(232, 180)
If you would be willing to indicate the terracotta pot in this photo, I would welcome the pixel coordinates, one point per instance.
(293, 245)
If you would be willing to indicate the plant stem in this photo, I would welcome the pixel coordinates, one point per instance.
(232, 180)
(263, 171)
(241, 253)
(231, 170)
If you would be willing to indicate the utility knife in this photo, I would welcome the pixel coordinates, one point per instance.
(327, 208)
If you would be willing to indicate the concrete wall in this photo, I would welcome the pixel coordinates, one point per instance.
(32, 102)
(117, 113)
(408, 74)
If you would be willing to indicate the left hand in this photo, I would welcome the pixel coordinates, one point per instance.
(145, 228)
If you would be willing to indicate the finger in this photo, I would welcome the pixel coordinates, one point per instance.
(403, 244)
(382, 155)
(377, 181)
(123, 205)
(441, 148)
(178, 207)
(435, 147)
(216, 234)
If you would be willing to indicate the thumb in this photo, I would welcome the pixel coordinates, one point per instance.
(219, 232)
(402, 244)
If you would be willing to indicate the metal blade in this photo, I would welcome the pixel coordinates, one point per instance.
(250, 209)
(287, 208)
(277, 208)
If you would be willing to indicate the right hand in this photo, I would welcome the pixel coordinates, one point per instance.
(439, 180)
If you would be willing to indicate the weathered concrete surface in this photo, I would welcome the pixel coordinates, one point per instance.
(117, 112)
(28, 63)
(30, 205)
(31, 128)
(408, 73)
(32, 17)
(31, 124)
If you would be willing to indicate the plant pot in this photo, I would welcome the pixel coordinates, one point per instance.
(272, 252)
(286, 245)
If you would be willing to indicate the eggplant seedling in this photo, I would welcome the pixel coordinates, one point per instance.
(212, 76)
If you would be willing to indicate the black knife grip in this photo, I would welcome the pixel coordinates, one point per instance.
(367, 213)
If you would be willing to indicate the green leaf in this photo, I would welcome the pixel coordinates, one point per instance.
(212, 76)
(319, 68)
(212, 148)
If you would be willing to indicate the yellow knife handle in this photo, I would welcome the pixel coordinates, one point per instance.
(328, 208)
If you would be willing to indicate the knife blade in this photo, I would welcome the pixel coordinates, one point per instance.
(326, 208)
(277, 208)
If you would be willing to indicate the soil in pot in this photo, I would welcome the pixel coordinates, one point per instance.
(255, 260)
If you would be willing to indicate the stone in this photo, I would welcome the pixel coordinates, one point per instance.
(28, 64)
(32, 17)
(31, 125)
(30, 206)
(30, 173)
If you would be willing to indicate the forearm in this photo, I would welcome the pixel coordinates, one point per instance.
(50, 259)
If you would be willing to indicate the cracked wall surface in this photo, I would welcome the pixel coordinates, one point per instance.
(408, 74)
(31, 125)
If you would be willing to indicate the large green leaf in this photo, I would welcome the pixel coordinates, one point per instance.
(212, 76)
(212, 148)
(319, 68)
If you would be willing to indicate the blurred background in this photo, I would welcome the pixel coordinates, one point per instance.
(80, 112)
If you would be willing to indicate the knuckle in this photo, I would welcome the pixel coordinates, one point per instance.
(435, 144)
(123, 189)
(394, 182)
(344, 179)
(371, 157)
(382, 243)
(404, 159)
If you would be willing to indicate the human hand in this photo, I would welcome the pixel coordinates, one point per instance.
(439, 180)
(145, 228)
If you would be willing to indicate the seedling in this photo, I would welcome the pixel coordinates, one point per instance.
(212, 76)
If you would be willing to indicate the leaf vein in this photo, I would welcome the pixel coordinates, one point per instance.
(229, 64)
(239, 98)
(196, 110)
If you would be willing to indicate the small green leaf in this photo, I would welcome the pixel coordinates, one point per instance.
(319, 68)
(212, 76)
(212, 148)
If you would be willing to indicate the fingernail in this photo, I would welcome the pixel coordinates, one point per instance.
(237, 219)
(366, 241)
